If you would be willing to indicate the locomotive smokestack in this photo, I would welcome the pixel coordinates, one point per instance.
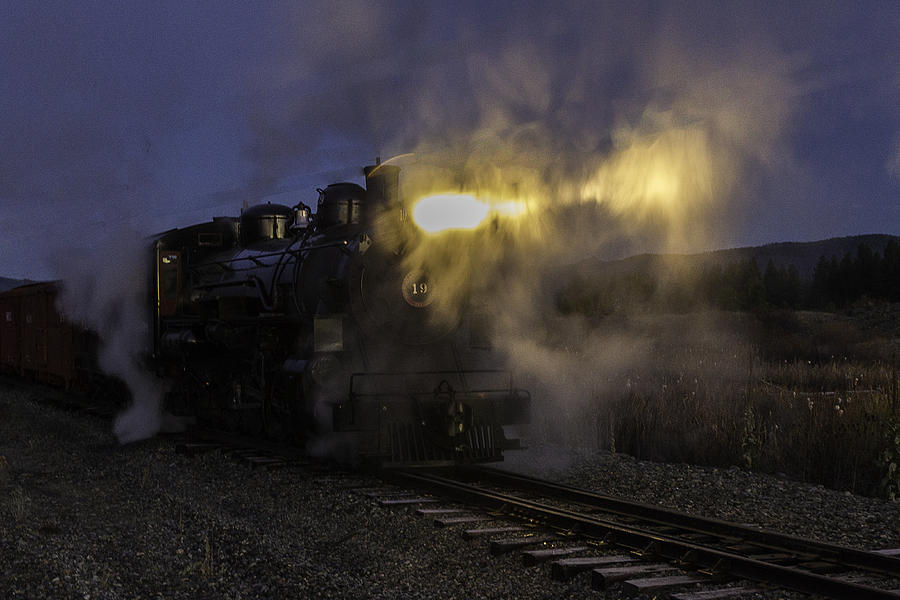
(383, 210)
(382, 185)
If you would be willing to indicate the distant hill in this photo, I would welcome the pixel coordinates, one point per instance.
(7, 284)
(803, 255)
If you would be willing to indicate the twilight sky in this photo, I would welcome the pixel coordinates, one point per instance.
(127, 118)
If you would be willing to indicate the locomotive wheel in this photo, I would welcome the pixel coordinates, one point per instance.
(277, 423)
(272, 421)
(181, 398)
(284, 418)
(253, 421)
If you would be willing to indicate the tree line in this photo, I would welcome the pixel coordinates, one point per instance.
(870, 274)
(743, 286)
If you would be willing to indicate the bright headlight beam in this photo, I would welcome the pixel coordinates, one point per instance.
(449, 211)
(443, 212)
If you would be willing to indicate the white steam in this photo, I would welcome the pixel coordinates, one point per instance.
(105, 287)
(663, 162)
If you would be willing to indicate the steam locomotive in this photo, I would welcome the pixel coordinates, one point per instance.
(312, 326)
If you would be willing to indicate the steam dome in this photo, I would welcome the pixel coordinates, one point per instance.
(265, 222)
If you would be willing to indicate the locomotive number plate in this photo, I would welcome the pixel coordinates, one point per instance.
(417, 289)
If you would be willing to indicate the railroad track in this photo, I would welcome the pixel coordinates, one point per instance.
(657, 542)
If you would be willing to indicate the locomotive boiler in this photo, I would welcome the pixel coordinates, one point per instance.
(310, 326)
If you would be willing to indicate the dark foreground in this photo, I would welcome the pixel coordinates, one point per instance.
(82, 517)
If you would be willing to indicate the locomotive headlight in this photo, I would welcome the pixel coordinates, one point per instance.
(449, 211)
(443, 212)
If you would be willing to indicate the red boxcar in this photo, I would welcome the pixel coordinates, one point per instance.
(10, 362)
(35, 340)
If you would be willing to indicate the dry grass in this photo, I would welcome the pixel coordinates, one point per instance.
(13, 499)
(826, 422)
(204, 566)
(17, 502)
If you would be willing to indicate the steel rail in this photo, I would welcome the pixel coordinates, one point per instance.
(849, 557)
(649, 543)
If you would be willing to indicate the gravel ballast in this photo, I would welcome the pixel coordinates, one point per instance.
(84, 517)
(732, 494)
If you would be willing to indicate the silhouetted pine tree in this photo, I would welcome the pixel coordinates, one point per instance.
(783, 288)
(867, 274)
(751, 291)
(890, 271)
(867, 271)
(820, 294)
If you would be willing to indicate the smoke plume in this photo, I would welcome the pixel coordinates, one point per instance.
(603, 163)
(105, 288)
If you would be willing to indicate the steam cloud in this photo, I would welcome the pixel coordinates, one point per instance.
(105, 287)
(606, 125)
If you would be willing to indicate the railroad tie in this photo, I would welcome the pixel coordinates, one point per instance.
(649, 585)
(476, 533)
(427, 512)
(718, 594)
(534, 557)
(411, 500)
(510, 544)
(779, 558)
(821, 567)
(388, 494)
(605, 577)
(446, 522)
(568, 567)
